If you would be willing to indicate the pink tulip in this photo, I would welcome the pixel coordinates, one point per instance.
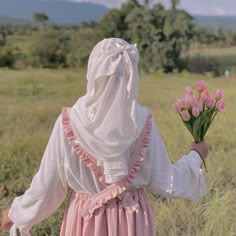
(176, 107)
(219, 94)
(206, 95)
(188, 90)
(210, 102)
(195, 111)
(180, 101)
(187, 101)
(201, 85)
(184, 101)
(185, 115)
(220, 105)
(200, 106)
(194, 101)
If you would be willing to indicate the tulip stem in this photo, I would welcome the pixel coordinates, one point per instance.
(213, 117)
(204, 165)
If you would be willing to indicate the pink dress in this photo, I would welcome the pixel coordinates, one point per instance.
(116, 210)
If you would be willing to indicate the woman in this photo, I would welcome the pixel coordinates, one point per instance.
(105, 150)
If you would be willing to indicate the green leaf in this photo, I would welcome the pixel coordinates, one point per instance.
(188, 126)
(206, 122)
(196, 126)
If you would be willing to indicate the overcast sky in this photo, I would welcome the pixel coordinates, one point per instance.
(202, 7)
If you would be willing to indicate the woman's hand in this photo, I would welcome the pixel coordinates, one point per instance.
(201, 148)
(6, 221)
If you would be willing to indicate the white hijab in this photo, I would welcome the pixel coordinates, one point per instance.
(105, 117)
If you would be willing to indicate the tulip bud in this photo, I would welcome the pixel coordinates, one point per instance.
(205, 96)
(220, 105)
(201, 85)
(188, 90)
(219, 94)
(185, 115)
(195, 111)
(210, 102)
(176, 107)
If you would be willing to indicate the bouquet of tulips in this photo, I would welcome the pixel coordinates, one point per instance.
(199, 110)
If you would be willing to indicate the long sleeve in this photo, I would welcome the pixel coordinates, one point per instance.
(48, 188)
(184, 179)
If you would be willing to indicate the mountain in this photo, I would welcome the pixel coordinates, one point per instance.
(6, 20)
(68, 12)
(227, 22)
(59, 12)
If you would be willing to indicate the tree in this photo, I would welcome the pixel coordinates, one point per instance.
(116, 28)
(40, 17)
(49, 47)
(178, 32)
(117, 21)
(81, 44)
(174, 3)
(134, 2)
(143, 32)
(162, 35)
(146, 3)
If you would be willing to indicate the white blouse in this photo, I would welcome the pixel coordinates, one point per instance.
(62, 169)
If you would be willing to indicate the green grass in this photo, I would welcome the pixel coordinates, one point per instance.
(31, 100)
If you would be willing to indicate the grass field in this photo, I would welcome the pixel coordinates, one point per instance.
(31, 100)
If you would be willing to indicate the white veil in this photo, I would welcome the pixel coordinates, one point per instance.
(105, 117)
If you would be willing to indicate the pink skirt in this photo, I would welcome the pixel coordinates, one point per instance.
(129, 214)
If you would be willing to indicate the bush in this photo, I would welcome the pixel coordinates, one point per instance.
(81, 44)
(7, 57)
(2, 39)
(49, 47)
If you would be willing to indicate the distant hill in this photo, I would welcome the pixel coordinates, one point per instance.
(66, 12)
(6, 20)
(227, 22)
(59, 12)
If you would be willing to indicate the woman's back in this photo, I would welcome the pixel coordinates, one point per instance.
(115, 210)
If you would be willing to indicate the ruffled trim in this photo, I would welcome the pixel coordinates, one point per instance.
(140, 150)
(85, 157)
(114, 190)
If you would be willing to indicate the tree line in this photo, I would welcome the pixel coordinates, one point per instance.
(163, 37)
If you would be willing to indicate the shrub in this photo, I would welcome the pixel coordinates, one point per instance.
(80, 47)
(49, 47)
(7, 57)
